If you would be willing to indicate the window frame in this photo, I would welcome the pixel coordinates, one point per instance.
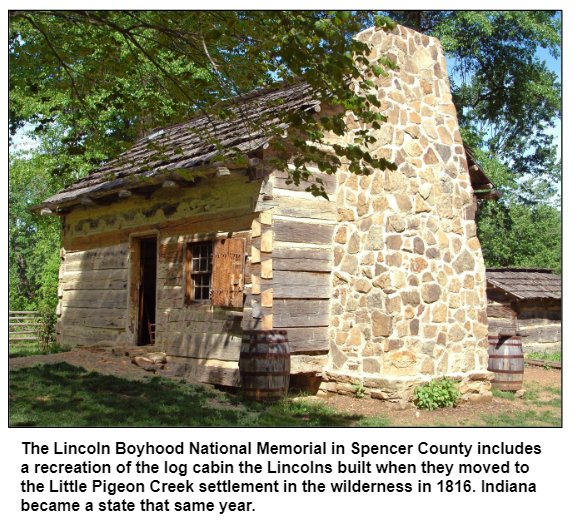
(190, 283)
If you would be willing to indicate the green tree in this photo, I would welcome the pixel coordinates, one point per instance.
(522, 229)
(33, 253)
(516, 235)
(106, 77)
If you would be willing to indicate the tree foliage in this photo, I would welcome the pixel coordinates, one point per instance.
(34, 241)
(108, 77)
(516, 235)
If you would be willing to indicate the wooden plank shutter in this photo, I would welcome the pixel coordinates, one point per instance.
(228, 272)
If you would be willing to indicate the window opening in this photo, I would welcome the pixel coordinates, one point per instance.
(201, 270)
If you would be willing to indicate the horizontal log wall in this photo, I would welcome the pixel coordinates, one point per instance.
(295, 284)
(214, 204)
(537, 321)
(501, 312)
(95, 276)
(295, 271)
(300, 313)
(287, 283)
(329, 182)
(93, 289)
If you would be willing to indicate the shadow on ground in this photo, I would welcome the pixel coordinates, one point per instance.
(64, 395)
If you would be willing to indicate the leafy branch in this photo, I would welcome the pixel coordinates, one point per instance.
(130, 71)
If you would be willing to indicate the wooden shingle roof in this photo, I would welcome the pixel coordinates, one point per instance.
(525, 283)
(191, 143)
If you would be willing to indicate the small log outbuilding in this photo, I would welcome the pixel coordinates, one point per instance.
(525, 302)
(382, 285)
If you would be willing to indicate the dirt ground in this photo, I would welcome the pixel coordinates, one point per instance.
(460, 415)
(99, 360)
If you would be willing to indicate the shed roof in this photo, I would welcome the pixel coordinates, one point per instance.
(189, 144)
(525, 283)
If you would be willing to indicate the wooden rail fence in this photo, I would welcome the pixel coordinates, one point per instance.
(25, 325)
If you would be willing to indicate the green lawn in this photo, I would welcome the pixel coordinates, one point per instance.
(32, 348)
(64, 395)
(16, 350)
(528, 418)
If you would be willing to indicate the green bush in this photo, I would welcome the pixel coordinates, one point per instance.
(47, 329)
(436, 394)
(359, 390)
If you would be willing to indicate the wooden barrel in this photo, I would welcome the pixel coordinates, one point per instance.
(506, 361)
(264, 365)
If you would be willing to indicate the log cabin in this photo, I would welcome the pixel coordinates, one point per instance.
(382, 285)
(525, 302)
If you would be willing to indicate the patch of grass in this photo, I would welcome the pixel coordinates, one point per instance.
(555, 402)
(531, 418)
(23, 420)
(63, 395)
(56, 347)
(528, 418)
(19, 350)
(504, 394)
(531, 395)
(375, 421)
(551, 356)
(532, 391)
(553, 390)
